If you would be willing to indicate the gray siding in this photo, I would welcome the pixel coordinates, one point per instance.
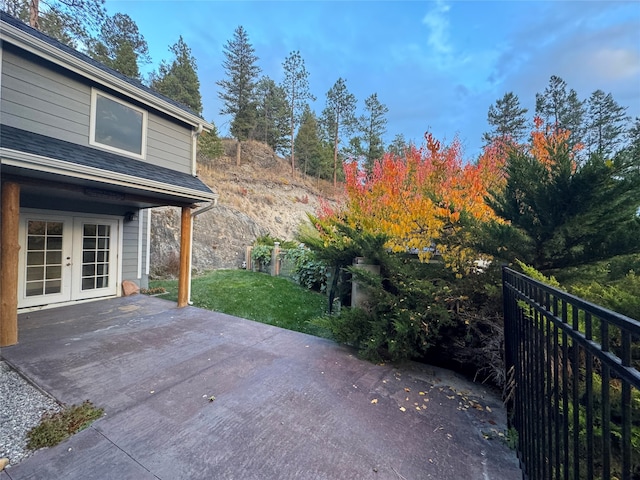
(42, 101)
(38, 99)
(130, 246)
(130, 251)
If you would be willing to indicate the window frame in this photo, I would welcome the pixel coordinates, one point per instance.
(92, 125)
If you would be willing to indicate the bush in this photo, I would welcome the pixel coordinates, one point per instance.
(406, 318)
(261, 256)
(271, 241)
(623, 298)
(309, 272)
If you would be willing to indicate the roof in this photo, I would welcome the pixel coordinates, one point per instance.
(80, 161)
(17, 32)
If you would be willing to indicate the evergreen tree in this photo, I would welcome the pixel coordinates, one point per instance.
(68, 21)
(179, 79)
(633, 139)
(373, 126)
(296, 88)
(507, 119)
(561, 214)
(606, 124)
(338, 118)
(561, 108)
(398, 146)
(238, 89)
(120, 45)
(209, 145)
(272, 119)
(309, 145)
(630, 154)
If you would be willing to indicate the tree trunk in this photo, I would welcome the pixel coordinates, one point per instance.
(293, 160)
(335, 161)
(238, 152)
(34, 9)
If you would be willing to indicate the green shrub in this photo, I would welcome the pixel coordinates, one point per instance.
(261, 256)
(271, 241)
(309, 271)
(406, 318)
(622, 297)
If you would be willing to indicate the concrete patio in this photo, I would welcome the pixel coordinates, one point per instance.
(287, 405)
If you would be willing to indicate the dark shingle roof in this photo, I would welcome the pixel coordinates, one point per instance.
(8, 19)
(16, 139)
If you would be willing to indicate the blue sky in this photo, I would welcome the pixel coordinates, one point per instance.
(437, 65)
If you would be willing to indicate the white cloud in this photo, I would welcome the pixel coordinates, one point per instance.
(614, 64)
(437, 21)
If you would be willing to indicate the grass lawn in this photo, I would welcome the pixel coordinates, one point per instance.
(256, 296)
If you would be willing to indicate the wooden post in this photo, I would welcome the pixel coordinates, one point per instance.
(9, 248)
(275, 260)
(185, 255)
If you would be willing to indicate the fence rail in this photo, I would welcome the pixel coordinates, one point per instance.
(575, 401)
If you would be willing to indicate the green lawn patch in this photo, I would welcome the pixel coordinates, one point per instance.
(255, 296)
(56, 427)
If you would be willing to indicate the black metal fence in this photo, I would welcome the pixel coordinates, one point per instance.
(575, 385)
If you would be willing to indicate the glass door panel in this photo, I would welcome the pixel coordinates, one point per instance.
(95, 258)
(45, 260)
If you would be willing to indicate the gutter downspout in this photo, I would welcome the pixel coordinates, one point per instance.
(193, 215)
(194, 147)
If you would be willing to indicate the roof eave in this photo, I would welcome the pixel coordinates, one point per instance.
(38, 163)
(42, 49)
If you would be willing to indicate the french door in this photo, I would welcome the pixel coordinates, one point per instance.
(65, 258)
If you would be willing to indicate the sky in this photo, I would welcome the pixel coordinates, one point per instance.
(436, 65)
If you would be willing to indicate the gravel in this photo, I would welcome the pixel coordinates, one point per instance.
(22, 408)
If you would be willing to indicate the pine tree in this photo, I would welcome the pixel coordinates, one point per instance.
(68, 21)
(561, 108)
(373, 126)
(633, 140)
(179, 80)
(561, 213)
(272, 119)
(507, 119)
(308, 143)
(120, 45)
(606, 124)
(209, 146)
(338, 118)
(296, 88)
(238, 92)
(398, 146)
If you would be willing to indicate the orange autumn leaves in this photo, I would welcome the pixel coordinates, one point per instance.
(427, 199)
(419, 200)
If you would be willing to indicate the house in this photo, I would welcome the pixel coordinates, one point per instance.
(85, 152)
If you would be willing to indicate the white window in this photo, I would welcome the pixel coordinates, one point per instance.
(117, 126)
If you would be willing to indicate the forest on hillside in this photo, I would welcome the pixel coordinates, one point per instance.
(279, 114)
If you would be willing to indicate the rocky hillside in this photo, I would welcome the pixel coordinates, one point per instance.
(257, 198)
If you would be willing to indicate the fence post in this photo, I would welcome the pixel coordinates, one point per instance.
(247, 258)
(359, 296)
(275, 260)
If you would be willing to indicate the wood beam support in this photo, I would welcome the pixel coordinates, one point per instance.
(185, 257)
(9, 249)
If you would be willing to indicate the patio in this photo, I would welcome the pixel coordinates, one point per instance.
(287, 405)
